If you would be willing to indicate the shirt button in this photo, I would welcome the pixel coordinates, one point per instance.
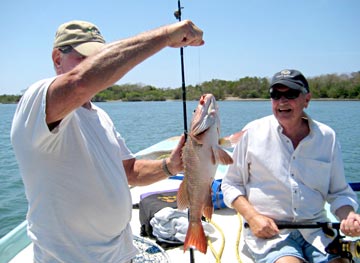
(293, 157)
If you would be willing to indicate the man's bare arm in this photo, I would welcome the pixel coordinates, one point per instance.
(98, 72)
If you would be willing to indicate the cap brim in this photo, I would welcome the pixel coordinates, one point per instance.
(88, 48)
(287, 83)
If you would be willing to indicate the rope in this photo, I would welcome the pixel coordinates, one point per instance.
(221, 250)
(238, 239)
(218, 255)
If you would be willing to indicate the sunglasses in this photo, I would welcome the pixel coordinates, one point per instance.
(65, 49)
(290, 94)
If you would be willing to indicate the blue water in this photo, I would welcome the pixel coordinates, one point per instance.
(145, 123)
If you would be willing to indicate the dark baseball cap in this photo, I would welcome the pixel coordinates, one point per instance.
(290, 78)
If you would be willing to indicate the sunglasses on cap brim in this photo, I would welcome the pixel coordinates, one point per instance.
(66, 49)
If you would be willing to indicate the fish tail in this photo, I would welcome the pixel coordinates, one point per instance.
(195, 237)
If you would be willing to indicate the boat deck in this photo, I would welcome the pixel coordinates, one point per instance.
(226, 218)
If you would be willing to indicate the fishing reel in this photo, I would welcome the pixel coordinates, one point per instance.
(345, 248)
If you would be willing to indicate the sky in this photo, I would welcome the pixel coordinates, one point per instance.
(253, 38)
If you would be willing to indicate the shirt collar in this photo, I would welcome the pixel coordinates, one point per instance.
(279, 128)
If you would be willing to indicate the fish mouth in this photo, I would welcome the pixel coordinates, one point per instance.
(205, 115)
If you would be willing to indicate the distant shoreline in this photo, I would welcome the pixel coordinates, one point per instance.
(226, 99)
(240, 99)
(259, 99)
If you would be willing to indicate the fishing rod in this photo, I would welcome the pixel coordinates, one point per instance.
(177, 15)
(345, 248)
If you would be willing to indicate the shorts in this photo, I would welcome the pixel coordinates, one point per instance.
(294, 245)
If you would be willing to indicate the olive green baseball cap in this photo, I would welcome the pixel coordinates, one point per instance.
(82, 36)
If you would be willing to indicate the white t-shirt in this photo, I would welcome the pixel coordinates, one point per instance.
(79, 200)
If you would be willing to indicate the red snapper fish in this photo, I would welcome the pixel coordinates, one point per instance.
(201, 155)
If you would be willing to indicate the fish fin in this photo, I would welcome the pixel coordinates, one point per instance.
(195, 237)
(208, 207)
(231, 140)
(182, 196)
(221, 156)
(213, 156)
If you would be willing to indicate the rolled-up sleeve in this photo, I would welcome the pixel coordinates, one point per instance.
(340, 192)
(233, 184)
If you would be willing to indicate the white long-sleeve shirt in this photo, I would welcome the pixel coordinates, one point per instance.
(288, 184)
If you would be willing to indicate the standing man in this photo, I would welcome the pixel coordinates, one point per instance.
(286, 166)
(75, 165)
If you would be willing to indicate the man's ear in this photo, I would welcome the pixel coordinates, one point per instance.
(56, 57)
(307, 99)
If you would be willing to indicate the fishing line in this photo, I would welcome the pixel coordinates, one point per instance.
(199, 66)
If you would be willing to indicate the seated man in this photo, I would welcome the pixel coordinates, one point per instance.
(286, 167)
